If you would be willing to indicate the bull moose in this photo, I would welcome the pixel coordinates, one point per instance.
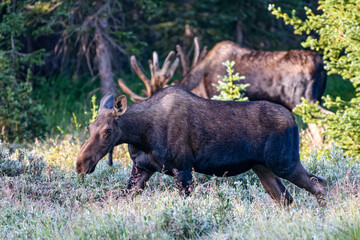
(175, 131)
(281, 77)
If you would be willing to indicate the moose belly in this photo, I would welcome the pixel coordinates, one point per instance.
(225, 164)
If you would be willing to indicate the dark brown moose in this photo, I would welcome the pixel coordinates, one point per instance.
(281, 77)
(175, 131)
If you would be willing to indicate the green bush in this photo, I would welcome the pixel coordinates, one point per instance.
(229, 90)
(21, 116)
(15, 161)
(337, 27)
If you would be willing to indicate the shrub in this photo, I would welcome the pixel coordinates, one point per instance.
(14, 162)
(229, 90)
(21, 117)
(337, 27)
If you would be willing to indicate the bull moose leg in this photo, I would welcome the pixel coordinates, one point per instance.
(137, 180)
(273, 185)
(311, 183)
(183, 181)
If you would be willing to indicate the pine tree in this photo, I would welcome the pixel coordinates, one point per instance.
(229, 90)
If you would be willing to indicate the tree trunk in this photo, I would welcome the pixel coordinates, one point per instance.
(239, 33)
(103, 57)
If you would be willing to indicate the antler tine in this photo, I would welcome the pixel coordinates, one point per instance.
(155, 60)
(153, 66)
(167, 62)
(152, 73)
(172, 70)
(203, 53)
(159, 77)
(141, 75)
(196, 59)
(164, 70)
(196, 51)
(184, 64)
(133, 96)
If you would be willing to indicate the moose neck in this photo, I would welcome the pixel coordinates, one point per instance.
(134, 127)
(193, 78)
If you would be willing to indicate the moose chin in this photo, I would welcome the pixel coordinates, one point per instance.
(175, 131)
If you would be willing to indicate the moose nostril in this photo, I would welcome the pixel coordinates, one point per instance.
(78, 167)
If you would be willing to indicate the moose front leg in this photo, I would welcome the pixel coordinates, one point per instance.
(137, 180)
(183, 180)
(110, 157)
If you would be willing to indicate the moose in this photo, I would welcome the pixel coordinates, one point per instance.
(282, 77)
(175, 131)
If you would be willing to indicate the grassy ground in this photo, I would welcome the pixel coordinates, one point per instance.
(42, 198)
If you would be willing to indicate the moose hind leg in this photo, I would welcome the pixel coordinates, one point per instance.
(137, 180)
(273, 185)
(183, 180)
(311, 183)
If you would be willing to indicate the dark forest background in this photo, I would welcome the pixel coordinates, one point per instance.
(55, 55)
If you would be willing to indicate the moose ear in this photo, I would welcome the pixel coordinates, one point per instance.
(120, 105)
(106, 102)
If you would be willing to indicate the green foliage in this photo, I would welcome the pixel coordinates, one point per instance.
(343, 127)
(217, 20)
(14, 161)
(62, 96)
(230, 91)
(336, 86)
(337, 27)
(21, 116)
(338, 39)
(94, 110)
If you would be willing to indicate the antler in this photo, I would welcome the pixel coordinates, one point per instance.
(185, 65)
(159, 77)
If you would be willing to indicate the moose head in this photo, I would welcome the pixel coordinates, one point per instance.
(104, 134)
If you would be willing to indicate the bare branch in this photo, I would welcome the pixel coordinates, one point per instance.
(133, 96)
(115, 45)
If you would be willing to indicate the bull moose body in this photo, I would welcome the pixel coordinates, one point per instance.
(175, 131)
(281, 77)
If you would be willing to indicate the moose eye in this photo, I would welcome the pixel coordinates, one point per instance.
(108, 131)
